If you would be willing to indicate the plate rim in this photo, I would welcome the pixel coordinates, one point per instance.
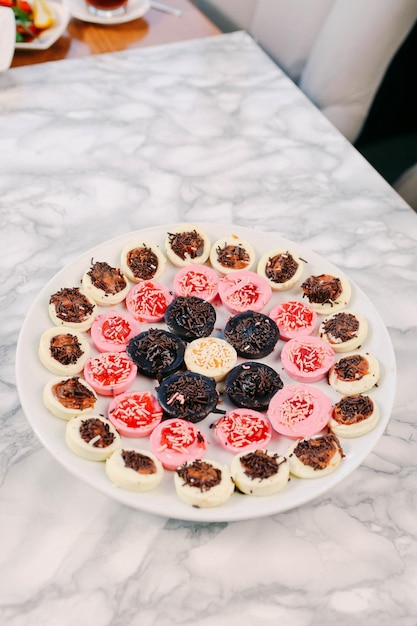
(61, 10)
(187, 513)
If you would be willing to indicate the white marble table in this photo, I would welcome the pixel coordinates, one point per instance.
(208, 130)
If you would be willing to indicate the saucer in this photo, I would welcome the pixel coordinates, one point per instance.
(134, 10)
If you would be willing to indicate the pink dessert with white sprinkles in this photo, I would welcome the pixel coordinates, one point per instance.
(135, 413)
(110, 373)
(307, 359)
(243, 290)
(298, 411)
(111, 332)
(176, 441)
(294, 318)
(197, 280)
(147, 301)
(243, 429)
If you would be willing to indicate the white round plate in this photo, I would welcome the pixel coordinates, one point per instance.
(32, 376)
(134, 10)
(50, 35)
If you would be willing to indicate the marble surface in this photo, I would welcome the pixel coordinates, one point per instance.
(207, 130)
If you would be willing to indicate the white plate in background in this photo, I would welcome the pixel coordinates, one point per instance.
(50, 35)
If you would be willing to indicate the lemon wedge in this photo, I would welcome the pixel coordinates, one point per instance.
(42, 14)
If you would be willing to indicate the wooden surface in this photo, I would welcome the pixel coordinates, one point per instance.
(155, 27)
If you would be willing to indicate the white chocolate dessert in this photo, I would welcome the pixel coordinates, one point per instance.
(104, 284)
(314, 457)
(134, 470)
(63, 351)
(210, 356)
(282, 268)
(344, 331)
(69, 396)
(326, 293)
(354, 416)
(259, 473)
(91, 437)
(187, 244)
(232, 253)
(142, 260)
(354, 373)
(203, 483)
(72, 308)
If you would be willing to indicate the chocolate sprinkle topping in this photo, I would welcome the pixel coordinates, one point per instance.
(353, 367)
(186, 244)
(260, 465)
(188, 396)
(190, 317)
(200, 474)
(318, 451)
(281, 267)
(143, 262)
(353, 409)
(92, 428)
(108, 279)
(342, 326)
(233, 256)
(157, 347)
(322, 289)
(72, 394)
(71, 306)
(138, 462)
(65, 348)
(252, 334)
(251, 385)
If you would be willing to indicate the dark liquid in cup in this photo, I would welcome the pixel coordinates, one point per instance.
(107, 5)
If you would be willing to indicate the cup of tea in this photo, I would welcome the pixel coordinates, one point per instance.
(7, 37)
(107, 8)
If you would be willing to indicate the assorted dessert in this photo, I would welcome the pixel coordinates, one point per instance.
(205, 353)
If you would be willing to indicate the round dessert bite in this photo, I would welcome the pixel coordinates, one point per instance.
(210, 356)
(157, 353)
(134, 413)
(196, 280)
(66, 397)
(307, 358)
(70, 307)
(142, 261)
(354, 373)
(243, 429)
(281, 268)
(251, 385)
(188, 396)
(253, 334)
(299, 411)
(327, 294)
(354, 416)
(105, 284)
(148, 300)
(63, 351)
(111, 332)
(203, 484)
(134, 470)
(260, 473)
(344, 331)
(110, 373)
(187, 244)
(176, 441)
(243, 290)
(232, 253)
(315, 457)
(190, 317)
(92, 438)
(293, 319)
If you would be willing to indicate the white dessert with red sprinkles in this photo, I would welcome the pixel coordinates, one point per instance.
(299, 411)
(112, 331)
(176, 441)
(307, 358)
(135, 413)
(110, 373)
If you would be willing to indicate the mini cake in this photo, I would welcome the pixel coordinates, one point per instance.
(243, 290)
(134, 413)
(315, 457)
(66, 397)
(187, 244)
(63, 351)
(111, 332)
(253, 334)
(142, 261)
(134, 470)
(110, 373)
(210, 356)
(176, 441)
(299, 411)
(242, 429)
(293, 318)
(72, 308)
(327, 294)
(92, 438)
(354, 416)
(196, 280)
(157, 353)
(260, 473)
(307, 358)
(232, 253)
(148, 300)
(105, 284)
(355, 373)
(188, 396)
(281, 268)
(344, 331)
(204, 483)
(190, 317)
(251, 385)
